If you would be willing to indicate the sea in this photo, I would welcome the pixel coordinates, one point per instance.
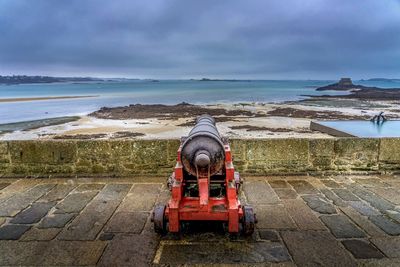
(125, 92)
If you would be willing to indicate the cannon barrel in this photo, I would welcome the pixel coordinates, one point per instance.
(203, 152)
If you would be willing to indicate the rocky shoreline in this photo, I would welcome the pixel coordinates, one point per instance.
(359, 91)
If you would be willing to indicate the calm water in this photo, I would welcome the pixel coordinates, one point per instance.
(366, 128)
(147, 92)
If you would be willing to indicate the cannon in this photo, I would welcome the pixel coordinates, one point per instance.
(204, 185)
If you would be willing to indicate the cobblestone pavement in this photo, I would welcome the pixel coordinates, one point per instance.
(302, 220)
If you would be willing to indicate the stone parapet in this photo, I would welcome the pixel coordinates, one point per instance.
(91, 158)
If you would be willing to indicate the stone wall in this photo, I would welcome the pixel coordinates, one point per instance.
(85, 158)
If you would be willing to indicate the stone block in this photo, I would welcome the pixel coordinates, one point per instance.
(127, 222)
(269, 235)
(319, 204)
(362, 249)
(91, 220)
(389, 151)
(356, 153)
(140, 198)
(56, 220)
(18, 202)
(130, 250)
(286, 193)
(304, 218)
(273, 217)
(57, 193)
(75, 202)
(316, 248)
(289, 155)
(345, 194)
(13, 231)
(303, 187)
(341, 227)
(260, 193)
(47, 152)
(331, 183)
(388, 245)
(321, 153)
(363, 222)
(278, 184)
(391, 227)
(33, 214)
(36, 234)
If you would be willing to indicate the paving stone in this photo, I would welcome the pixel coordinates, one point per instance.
(53, 253)
(17, 188)
(342, 227)
(303, 216)
(164, 196)
(33, 214)
(374, 200)
(316, 248)
(371, 182)
(106, 236)
(92, 219)
(319, 204)
(130, 250)
(390, 194)
(18, 202)
(273, 217)
(362, 249)
(12, 231)
(389, 226)
(303, 187)
(57, 193)
(363, 208)
(278, 184)
(345, 194)
(127, 222)
(331, 183)
(75, 202)
(394, 215)
(260, 193)
(56, 220)
(227, 253)
(334, 198)
(270, 235)
(141, 197)
(362, 221)
(2, 220)
(385, 262)
(390, 246)
(89, 187)
(36, 234)
(286, 193)
(4, 185)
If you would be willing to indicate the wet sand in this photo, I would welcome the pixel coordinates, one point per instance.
(24, 99)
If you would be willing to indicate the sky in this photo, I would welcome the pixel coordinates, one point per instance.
(179, 39)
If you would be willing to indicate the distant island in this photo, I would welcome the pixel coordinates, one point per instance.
(219, 80)
(360, 91)
(23, 79)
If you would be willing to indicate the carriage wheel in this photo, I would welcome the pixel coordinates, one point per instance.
(160, 224)
(249, 220)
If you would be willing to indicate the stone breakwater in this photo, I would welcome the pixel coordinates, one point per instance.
(132, 158)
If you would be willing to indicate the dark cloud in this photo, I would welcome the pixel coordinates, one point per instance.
(212, 38)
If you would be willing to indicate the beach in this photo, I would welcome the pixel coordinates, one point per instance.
(85, 116)
(251, 120)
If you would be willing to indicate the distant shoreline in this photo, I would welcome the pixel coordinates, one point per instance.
(23, 99)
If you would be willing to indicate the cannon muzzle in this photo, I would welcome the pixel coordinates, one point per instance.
(203, 150)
